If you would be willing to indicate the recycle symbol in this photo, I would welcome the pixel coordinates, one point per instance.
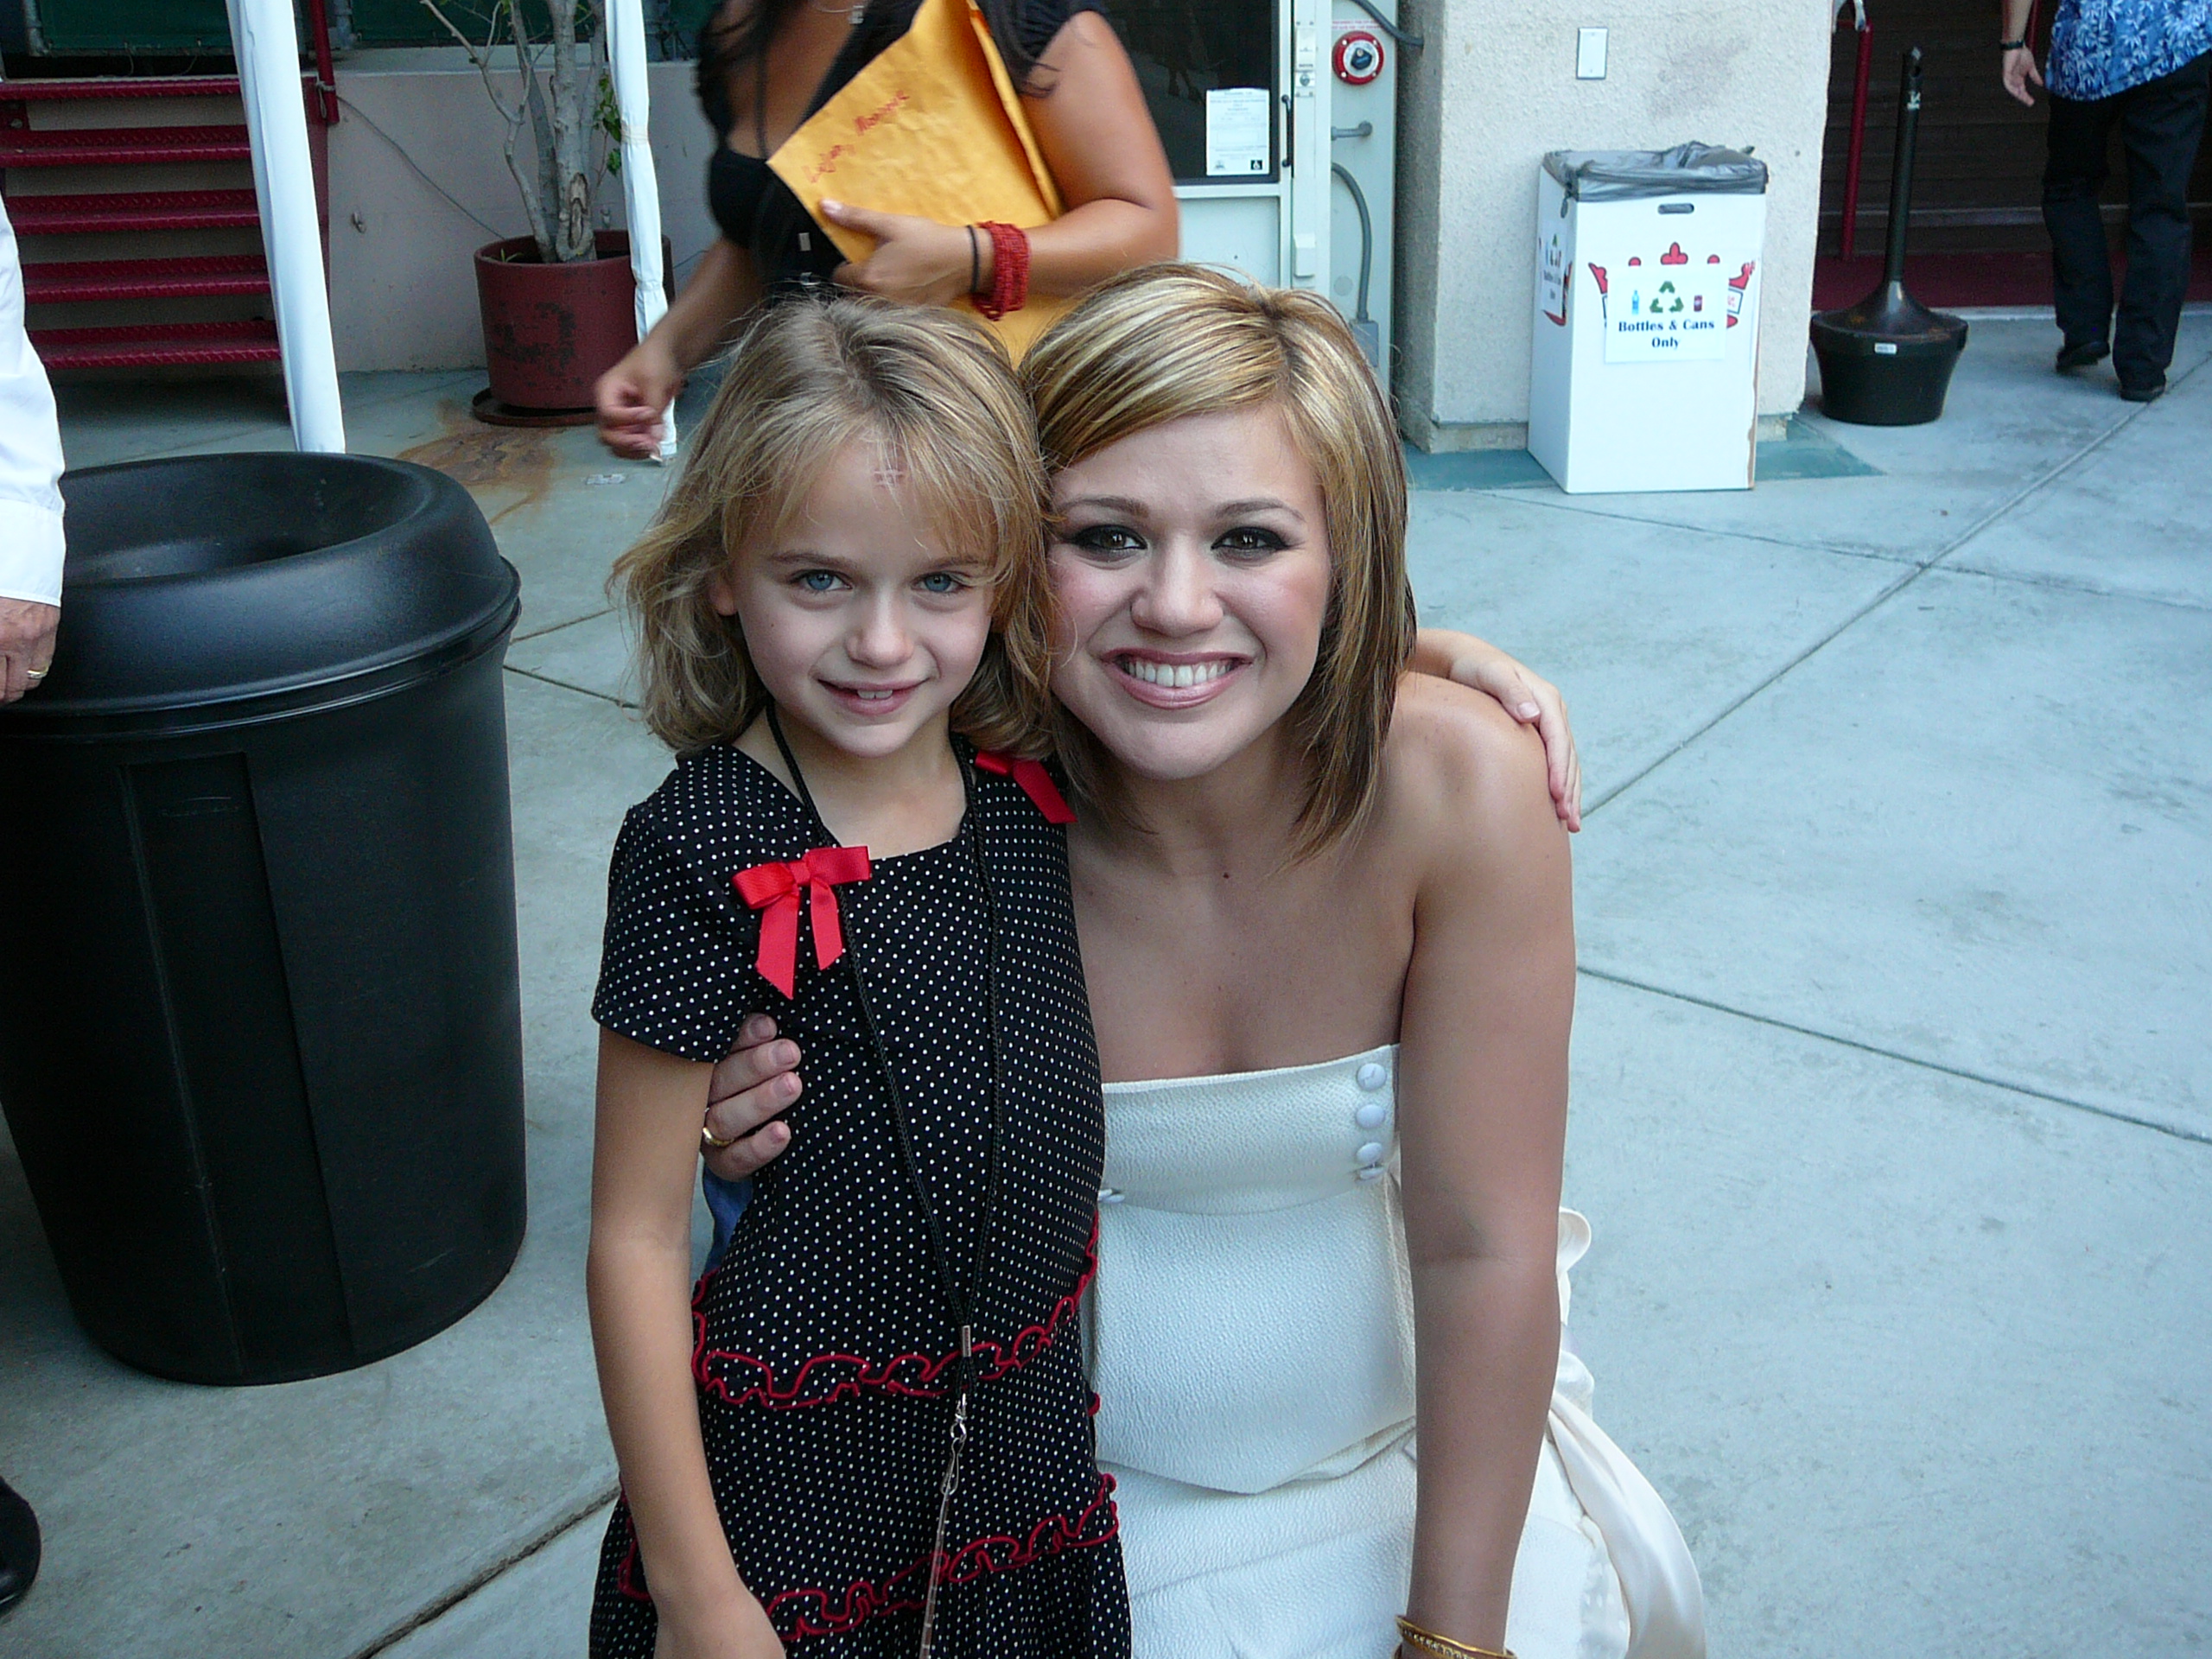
(1658, 306)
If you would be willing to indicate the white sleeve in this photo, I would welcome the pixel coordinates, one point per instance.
(30, 449)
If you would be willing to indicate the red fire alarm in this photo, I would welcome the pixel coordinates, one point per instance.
(1358, 57)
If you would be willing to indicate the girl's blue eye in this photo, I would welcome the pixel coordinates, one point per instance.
(818, 581)
(942, 583)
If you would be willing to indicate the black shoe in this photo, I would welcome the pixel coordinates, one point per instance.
(2149, 392)
(18, 1547)
(2082, 353)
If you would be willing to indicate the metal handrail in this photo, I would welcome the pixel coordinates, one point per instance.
(326, 71)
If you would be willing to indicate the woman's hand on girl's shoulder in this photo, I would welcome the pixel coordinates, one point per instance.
(1468, 776)
(1527, 696)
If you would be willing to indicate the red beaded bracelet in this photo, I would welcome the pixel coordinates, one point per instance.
(1009, 271)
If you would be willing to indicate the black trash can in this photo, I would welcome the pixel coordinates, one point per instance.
(260, 1029)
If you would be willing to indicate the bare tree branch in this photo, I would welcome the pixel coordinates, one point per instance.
(514, 117)
(561, 111)
(572, 183)
(544, 214)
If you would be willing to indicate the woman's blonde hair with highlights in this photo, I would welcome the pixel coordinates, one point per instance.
(938, 399)
(1169, 342)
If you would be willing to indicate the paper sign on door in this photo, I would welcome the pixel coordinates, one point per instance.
(1239, 122)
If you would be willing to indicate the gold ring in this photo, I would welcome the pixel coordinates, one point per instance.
(714, 1140)
(34, 673)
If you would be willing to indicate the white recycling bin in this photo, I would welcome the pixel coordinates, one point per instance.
(1644, 370)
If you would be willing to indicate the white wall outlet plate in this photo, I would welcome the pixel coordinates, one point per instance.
(1589, 55)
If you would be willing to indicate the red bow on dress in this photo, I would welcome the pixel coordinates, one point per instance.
(1036, 783)
(775, 888)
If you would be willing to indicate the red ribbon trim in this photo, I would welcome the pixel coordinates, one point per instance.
(1035, 781)
(738, 1379)
(904, 1591)
(774, 889)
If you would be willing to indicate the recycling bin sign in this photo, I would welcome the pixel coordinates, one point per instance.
(1673, 311)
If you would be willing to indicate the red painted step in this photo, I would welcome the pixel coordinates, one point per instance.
(74, 281)
(69, 88)
(123, 146)
(136, 210)
(158, 345)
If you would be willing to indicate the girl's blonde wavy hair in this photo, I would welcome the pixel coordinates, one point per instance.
(1168, 341)
(938, 399)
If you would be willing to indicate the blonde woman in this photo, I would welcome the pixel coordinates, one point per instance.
(1326, 926)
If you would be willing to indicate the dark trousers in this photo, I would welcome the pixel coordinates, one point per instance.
(2160, 123)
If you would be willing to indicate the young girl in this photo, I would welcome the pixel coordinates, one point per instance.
(866, 1431)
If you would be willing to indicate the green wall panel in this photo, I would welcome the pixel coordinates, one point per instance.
(191, 26)
(155, 26)
(409, 22)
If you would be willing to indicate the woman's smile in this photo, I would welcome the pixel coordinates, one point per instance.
(1176, 682)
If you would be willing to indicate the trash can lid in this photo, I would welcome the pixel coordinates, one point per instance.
(1626, 175)
(286, 580)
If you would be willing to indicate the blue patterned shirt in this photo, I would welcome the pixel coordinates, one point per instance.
(2101, 47)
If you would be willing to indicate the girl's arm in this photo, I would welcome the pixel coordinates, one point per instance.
(1092, 123)
(634, 395)
(1531, 699)
(1488, 999)
(639, 1275)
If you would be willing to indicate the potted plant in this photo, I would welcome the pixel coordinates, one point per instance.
(558, 303)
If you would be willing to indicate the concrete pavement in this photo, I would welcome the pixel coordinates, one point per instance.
(1893, 1090)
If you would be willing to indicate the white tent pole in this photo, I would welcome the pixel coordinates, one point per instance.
(625, 54)
(268, 52)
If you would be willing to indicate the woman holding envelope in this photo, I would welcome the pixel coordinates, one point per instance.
(814, 96)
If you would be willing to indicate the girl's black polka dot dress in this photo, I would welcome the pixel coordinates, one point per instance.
(828, 1359)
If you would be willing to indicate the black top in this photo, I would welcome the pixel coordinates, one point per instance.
(826, 1344)
(753, 207)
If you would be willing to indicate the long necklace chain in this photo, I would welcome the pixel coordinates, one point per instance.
(962, 1303)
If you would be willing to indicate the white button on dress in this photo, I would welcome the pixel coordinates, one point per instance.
(1373, 1075)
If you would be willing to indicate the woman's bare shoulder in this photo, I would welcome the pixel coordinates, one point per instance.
(1459, 769)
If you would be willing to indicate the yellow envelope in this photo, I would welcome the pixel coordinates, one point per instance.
(932, 127)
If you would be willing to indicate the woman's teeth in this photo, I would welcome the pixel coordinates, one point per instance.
(1176, 677)
(867, 696)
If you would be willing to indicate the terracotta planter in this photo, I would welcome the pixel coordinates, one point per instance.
(550, 331)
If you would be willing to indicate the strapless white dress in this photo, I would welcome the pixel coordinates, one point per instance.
(1251, 1343)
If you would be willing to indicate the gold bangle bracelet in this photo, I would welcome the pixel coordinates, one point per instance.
(1443, 1647)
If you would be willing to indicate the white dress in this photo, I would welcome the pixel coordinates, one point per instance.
(1251, 1343)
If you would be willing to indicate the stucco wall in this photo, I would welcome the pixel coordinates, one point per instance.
(1494, 89)
(403, 292)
